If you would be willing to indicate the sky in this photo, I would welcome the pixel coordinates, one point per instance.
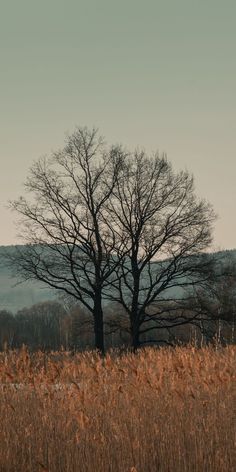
(159, 75)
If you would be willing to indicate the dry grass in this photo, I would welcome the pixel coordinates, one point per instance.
(158, 410)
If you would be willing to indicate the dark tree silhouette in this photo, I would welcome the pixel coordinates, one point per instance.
(106, 224)
(70, 243)
(164, 229)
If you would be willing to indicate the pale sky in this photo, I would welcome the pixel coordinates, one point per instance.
(157, 74)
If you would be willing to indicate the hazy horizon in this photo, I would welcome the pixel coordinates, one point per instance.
(159, 75)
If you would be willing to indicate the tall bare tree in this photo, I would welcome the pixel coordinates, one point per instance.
(70, 246)
(166, 229)
(102, 223)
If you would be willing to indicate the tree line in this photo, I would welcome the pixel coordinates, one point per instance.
(106, 225)
(53, 325)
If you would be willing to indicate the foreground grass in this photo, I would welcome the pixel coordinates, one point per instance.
(159, 410)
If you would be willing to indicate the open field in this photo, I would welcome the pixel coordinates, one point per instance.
(158, 410)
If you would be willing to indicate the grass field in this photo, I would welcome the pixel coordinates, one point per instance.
(157, 410)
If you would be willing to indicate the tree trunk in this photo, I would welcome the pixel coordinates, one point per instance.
(98, 324)
(134, 328)
(135, 339)
(134, 316)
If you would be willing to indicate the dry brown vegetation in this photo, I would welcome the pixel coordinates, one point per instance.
(157, 410)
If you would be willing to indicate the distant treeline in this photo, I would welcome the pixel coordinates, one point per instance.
(50, 326)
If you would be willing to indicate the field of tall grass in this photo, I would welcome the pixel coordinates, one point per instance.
(155, 411)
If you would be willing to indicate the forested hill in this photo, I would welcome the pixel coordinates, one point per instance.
(15, 295)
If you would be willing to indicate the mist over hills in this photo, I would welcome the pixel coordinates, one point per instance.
(15, 294)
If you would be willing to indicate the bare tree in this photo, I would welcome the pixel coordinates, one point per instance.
(104, 224)
(7, 329)
(166, 229)
(40, 326)
(216, 302)
(70, 243)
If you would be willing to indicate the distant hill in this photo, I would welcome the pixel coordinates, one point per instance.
(15, 295)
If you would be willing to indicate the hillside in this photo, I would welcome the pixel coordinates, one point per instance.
(15, 294)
